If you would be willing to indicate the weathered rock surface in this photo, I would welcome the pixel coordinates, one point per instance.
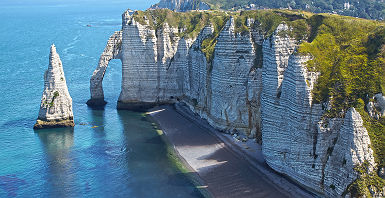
(234, 82)
(381, 173)
(376, 109)
(182, 5)
(56, 102)
(112, 51)
(253, 87)
(317, 152)
(351, 148)
(148, 74)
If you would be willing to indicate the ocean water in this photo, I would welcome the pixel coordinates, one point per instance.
(109, 153)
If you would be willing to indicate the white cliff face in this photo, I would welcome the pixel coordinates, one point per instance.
(230, 80)
(196, 74)
(256, 86)
(147, 56)
(56, 102)
(181, 5)
(112, 51)
(288, 117)
(297, 141)
(351, 149)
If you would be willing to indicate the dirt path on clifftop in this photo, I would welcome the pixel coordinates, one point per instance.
(224, 173)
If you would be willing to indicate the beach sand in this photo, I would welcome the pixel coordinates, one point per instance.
(227, 167)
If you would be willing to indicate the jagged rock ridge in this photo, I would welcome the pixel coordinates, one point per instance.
(234, 95)
(56, 102)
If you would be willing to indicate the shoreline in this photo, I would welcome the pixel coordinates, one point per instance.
(179, 161)
(166, 119)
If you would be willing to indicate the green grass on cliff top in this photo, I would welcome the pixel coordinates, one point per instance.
(191, 23)
(370, 9)
(348, 52)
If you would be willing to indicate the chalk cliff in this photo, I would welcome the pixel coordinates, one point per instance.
(255, 85)
(56, 102)
(112, 51)
(318, 153)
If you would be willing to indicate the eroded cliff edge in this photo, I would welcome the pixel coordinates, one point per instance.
(243, 73)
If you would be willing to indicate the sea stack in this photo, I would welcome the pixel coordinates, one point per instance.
(56, 102)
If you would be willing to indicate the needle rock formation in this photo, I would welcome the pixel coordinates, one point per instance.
(56, 102)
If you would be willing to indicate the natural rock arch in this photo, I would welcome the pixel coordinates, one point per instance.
(112, 51)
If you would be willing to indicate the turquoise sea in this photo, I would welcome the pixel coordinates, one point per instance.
(109, 153)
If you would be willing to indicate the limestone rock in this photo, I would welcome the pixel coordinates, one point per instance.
(289, 119)
(112, 51)
(253, 87)
(352, 148)
(149, 75)
(56, 102)
(233, 78)
(371, 111)
(381, 173)
(380, 103)
(297, 141)
(376, 108)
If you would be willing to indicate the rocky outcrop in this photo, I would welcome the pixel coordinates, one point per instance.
(253, 86)
(234, 82)
(148, 73)
(112, 51)
(56, 102)
(351, 149)
(298, 140)
(376, 108)
(181, 5)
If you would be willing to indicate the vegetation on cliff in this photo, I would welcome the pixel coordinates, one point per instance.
(191, 23)
(370, 9)
(349, 54)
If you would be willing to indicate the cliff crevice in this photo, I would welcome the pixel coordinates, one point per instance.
(255, 85)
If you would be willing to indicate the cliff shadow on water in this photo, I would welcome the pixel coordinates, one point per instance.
(148, 145)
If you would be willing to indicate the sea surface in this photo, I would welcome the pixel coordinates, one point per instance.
(109, 153)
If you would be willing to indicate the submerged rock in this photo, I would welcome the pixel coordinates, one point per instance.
(56, 102)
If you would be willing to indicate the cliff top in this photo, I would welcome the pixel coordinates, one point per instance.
(370, 9)
(348, 53)
(304, 25)
(192, 22)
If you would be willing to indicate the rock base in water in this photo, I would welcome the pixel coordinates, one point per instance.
(40, 124)
(96, 103)
(56, 102)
